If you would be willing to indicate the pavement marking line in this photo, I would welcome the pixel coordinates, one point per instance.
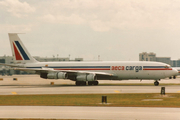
(152, 100)
(116, 91)
(14, 93)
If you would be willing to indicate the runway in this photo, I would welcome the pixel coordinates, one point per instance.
(26, 90)
(98, 113)
(32, 84)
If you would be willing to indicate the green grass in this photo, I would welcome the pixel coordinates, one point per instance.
(133, 100)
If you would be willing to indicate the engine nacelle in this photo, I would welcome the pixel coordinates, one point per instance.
(90, 77)
(53, 75)
(62, 75)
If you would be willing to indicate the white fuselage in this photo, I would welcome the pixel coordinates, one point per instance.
(121, 70)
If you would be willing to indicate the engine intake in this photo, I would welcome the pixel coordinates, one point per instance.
(90, 77)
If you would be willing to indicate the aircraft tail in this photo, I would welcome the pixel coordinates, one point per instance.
(19, 51)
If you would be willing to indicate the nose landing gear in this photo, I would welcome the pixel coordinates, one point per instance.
(156, 83)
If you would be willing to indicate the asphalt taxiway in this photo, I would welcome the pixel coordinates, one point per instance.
(90, 113)
(32, 84)
(48, 89)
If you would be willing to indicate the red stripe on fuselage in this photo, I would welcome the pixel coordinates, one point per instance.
(84, 69)
(157, 69)
(18, 56)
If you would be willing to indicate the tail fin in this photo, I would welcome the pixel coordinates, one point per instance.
(19, 51)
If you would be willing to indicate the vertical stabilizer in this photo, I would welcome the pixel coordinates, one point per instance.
(19, 51)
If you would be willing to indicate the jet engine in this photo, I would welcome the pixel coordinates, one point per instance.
(89, 77)
(54, 75)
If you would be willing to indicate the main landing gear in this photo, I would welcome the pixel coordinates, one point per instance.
(156, 83)
(93, 82)
(83, 83)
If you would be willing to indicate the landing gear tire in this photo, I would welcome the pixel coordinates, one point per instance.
(174, 77)
(93, 82)
(80, 83)
(90, 82)
(96, 82)
(156, 83)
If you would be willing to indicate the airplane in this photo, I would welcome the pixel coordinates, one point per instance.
(87, 73)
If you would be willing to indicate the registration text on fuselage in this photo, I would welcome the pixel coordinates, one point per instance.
(136, 68)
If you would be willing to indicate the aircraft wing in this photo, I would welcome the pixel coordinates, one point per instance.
(11, 65)
(51, 70)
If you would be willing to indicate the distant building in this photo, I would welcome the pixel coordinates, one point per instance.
(164, 60)
(53, 59)
(78, 59)
(6, 59)
(175, 63)
(152, 57)
(6, 69)
(147, 56)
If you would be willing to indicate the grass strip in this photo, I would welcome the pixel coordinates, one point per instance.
(125, 100)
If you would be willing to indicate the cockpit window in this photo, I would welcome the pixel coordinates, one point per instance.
(167, 66)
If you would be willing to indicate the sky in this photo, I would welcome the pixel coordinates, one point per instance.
(115, 30)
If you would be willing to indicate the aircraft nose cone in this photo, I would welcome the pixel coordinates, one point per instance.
(175, 71)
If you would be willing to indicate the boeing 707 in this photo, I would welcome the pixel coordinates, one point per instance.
(87, 73)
